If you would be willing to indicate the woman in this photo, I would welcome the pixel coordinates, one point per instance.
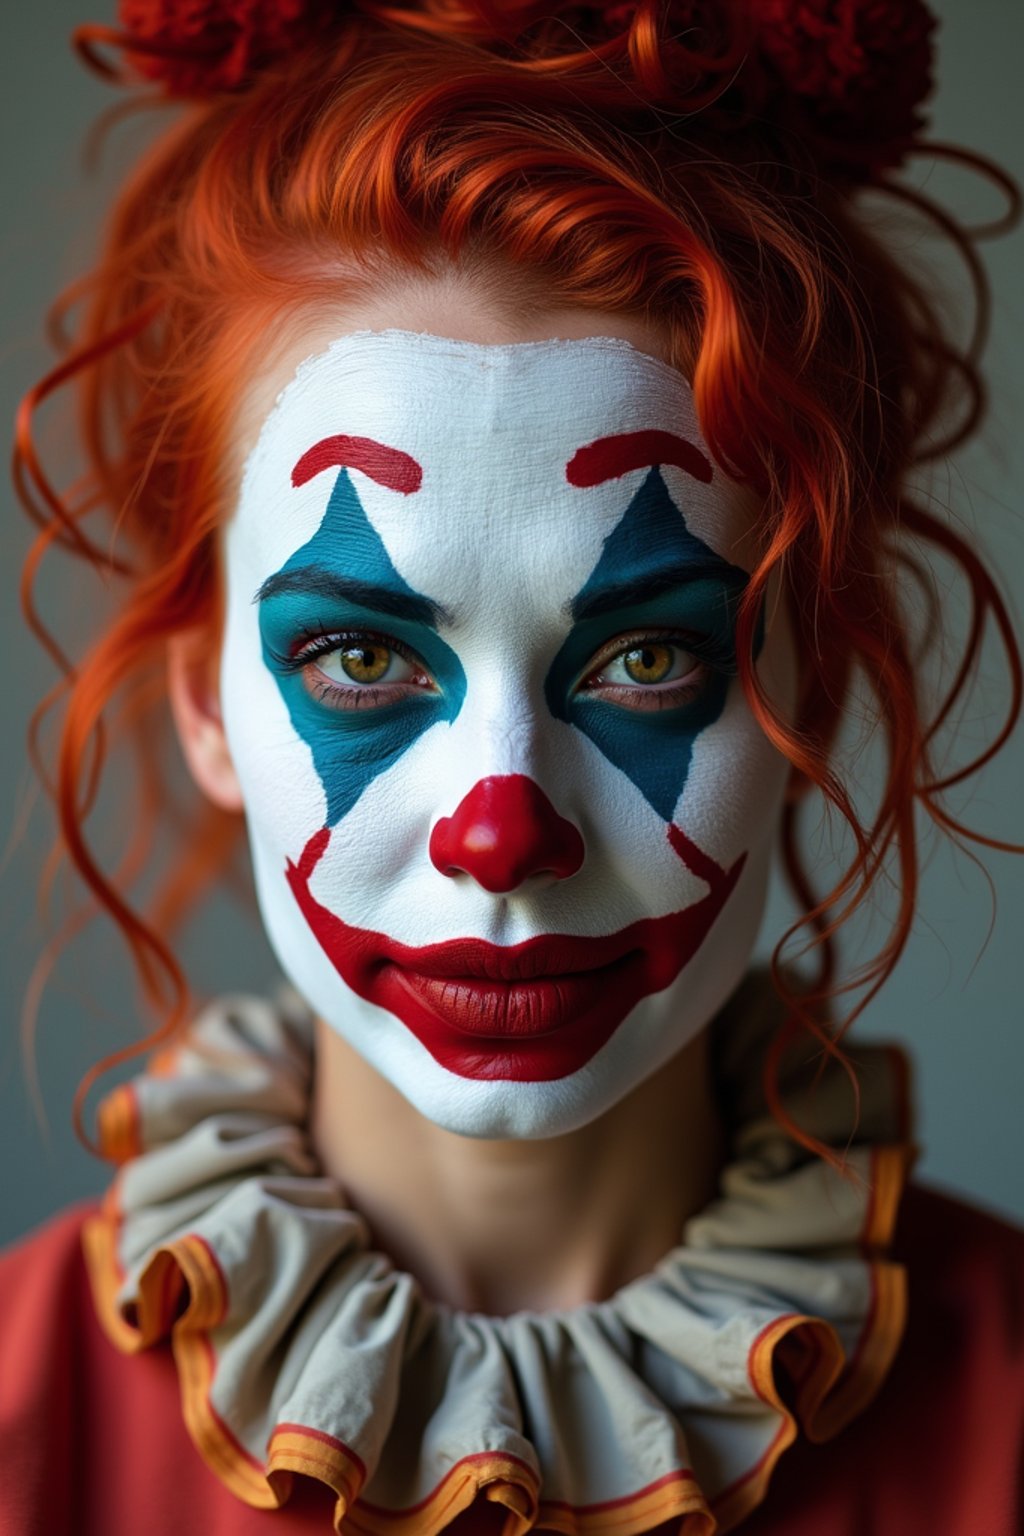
(506, 422)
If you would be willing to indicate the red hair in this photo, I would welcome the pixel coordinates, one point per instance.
(822, 373)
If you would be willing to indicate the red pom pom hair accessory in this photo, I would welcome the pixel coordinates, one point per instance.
(197, 48)
(845, 79)
(859, 70)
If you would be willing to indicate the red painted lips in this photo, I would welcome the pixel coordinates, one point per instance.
(529, 1012)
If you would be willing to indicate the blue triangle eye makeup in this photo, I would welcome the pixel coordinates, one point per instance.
(652, 571)
(343, 579)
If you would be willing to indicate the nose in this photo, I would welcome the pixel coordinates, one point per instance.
(503, 831)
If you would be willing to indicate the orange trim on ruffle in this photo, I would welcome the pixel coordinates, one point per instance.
(676, 1496)
(190, 1267)
(880, 1336)
(736, 1502)
(117, 1124)
(873, 1357)
(495, 1476)
(99, 1241)
(239, 1471)
(294, 1448)
(889, 1169)
(163, 1063)
(829, 1391)
(310, 1452)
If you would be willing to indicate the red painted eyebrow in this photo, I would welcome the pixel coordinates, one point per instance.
(610, 457)
(390, 467)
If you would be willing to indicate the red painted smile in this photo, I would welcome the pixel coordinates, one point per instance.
(529, 1012)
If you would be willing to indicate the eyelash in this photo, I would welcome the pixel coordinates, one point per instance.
(314, 642)
(652, 697)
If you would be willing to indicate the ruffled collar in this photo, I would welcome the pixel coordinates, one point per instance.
(302, 1351)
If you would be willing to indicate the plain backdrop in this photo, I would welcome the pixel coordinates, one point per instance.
(956, 999)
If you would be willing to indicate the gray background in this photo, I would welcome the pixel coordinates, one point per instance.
(956, 998)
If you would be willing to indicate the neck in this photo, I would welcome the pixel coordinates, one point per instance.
(506, 1226)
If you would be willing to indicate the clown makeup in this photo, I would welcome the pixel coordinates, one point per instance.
(510, 812)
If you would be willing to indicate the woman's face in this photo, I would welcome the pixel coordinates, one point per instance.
(510, 814)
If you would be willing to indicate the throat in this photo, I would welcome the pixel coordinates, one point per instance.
(520, 1225)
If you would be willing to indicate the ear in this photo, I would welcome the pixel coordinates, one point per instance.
(195, 706)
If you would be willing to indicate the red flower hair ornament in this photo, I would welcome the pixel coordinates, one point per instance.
(843, 79)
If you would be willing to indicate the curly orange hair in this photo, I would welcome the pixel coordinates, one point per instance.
(822, 373)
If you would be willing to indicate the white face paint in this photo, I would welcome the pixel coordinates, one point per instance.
(510, 813)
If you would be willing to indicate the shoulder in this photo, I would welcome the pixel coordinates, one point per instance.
(965, 1272)
(42, 1288)
(89, 1436)
(948, 1245)
(93, 1440)
(963, 1355)
(942, 1446)
(42, 1296)
(51, 1252)
(957, 1253)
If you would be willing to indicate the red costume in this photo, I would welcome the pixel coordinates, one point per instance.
(96, 1444)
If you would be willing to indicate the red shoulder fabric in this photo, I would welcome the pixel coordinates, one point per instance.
(941, 1450)
(92, 1441)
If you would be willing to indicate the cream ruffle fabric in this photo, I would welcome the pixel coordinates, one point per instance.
(300, 1350)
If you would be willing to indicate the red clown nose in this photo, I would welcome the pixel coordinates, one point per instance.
(504, 831)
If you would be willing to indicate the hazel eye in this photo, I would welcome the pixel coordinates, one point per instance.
(355, 669)
(364, 668)
(646, 672)
(646, 664)
(649, 663)
(367, 663)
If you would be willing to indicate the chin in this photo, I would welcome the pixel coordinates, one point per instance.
(503, 1109)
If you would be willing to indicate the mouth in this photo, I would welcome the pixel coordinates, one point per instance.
(530, 1012)
(524, 1004)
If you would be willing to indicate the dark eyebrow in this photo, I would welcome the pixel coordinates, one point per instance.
(314, 581)
(626, 594)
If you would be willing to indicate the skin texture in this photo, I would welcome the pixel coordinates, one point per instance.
(540, 1208)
